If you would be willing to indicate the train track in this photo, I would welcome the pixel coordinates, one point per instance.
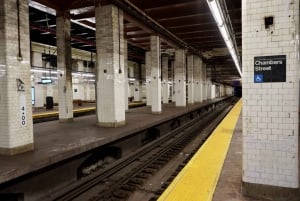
(122, 178)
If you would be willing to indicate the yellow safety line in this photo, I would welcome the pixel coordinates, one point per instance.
(52, 114)
(84, 109)
(198, 179)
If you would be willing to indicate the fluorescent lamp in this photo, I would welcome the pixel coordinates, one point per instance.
(43, 71)
(55, 72)
(46, 81)
(88, 75)
(83, 74)
(131, 79)
(222, 25)
(229, 45)
(224, 32)
(215, 9)
(76, 74)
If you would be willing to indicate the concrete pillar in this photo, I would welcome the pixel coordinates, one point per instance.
(39, 96)
(148, 78)
(87, 91)
(126, 84)
(209, 90)
(204, 83)
(64, 66)
(196, 75)
(165, 78)
(80, 66)
(180, 78)
(213, 91)
(110, 66)
(143, 73)
(155, 75)
(197, 79)
(36, 59)
(271, 99)
(16, 135)
(137, 75)
(173, 81)
(190, 78)
(142, 83)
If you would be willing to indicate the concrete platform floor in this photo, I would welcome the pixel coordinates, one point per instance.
(56, 141)
(229, 187)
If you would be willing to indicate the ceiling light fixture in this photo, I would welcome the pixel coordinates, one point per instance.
(44, 71)
(218, 15)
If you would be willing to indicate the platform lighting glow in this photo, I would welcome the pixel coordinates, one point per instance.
(83, 74)
(43, 71)
(49, 78)
(215, 9)
(55, 72)
(219, 18)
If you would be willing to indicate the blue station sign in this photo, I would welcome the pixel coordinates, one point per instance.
(270, 69)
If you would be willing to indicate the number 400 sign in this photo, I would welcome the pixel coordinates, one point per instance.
(23, 110)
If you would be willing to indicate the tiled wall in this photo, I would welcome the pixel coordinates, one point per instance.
(15, 123)
(270, 110)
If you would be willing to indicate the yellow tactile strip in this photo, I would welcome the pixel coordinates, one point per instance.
(55, 113)
(198, 179)
(87, 109)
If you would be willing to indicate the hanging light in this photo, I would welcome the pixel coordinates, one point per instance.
(217, 13)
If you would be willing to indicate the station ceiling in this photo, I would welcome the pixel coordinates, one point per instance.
(185, 23)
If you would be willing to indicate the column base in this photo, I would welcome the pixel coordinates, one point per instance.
(112, 124)
(182, 106)
(156, 112)
(16, 150)
(268, 192)
(70, 120)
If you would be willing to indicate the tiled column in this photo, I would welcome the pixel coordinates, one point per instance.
(180, 78)
(64, 66)
(213, 91)
(190, 78)
(155, 75)
(137, 87)
(148, 78)
(126, 84)
(196, 75)
(110, 64)
(142, 83)
(16, 135)
(197, 79)
(271, 104)
(173, 81)
(209, 90)
(204, 83)
(165, 78)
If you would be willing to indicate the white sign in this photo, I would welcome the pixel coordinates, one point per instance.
(23, 117)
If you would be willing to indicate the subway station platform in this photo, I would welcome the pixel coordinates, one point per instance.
(215, 171)
(55, 142)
